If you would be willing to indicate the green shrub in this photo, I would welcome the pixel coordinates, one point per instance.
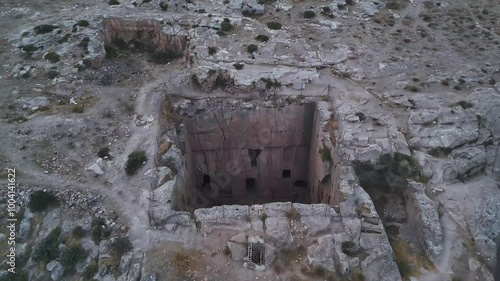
(212, 50)
(47, 249)
(465, 104)
(52, 74)
(41, 200)
(78, 109)
(262, 38)
(90, 270)
(324, 153)
(163, 6)
(252, 48)
(44, 28)
(82, 23)
(274, 25)
(53, 57)
(226, 25)
(113, 2)
(29, 48)
(73, 254)
(164, 57)
(84, 43)
(135, 161)
(393, 5)
(120, 246)
(309, 14)
(78, 232)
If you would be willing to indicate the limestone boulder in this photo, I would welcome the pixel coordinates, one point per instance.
(323, 253)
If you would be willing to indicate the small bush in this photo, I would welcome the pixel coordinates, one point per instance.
(293, 214)
(349, 2)
(326, 10)
(212, 50)
(457, 87)
(252, 48)
(184, 262)
(135, 161)
(47, 249)
(52, 74)
(465, 104)
(411, 88)
(226, 25)
(72, 255)
(29, 48)
(84, 43)
(41, 200)
(82, 23)
(104, 152)
(274, 25)
(78, 109)
(113, 2)
(445, 83)
(163, 6)
(90, 270)
(262, 38)
(309, 14)
(44, 28)
(78, 232)
(324, 153)
(361, 116)
(393, 5)
(53, 57)
(238, 66)
(110, 52)
(120, 246)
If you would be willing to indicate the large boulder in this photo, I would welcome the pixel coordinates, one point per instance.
(323, 253)
(425, 218)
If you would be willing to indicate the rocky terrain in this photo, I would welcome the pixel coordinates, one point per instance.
(405, 154)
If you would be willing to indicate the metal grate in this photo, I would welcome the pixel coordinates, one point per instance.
(256, 253)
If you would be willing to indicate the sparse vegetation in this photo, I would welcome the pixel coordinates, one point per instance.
(77, 109)
(457, 88)
(411, 88)
(41, 200)
(393, 5)
(52, 74)
(226, 250)
(44, 28)
(84, 43)
(252, 48)
(309, 14)
(163, 6)
(262, 38)
(99, 230)
(90, 270)
(183, 262)
(135, 161)
(29, 48)
(274, 25)
(212, 50)
(73, 254)
(324, 153)
(238, 66)
(82, 23)
(53, 57)
(271, 83)
(78, 232)
(120, 246)
(18, 276)
(293, 214)
(113, 2)
(465, 104)
(226, 25)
